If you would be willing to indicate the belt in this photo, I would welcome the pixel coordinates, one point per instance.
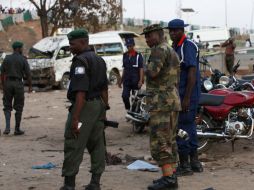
(93, 99)
(14, 79)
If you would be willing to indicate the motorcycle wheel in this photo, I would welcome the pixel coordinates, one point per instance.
(203, 142)
(138, 127)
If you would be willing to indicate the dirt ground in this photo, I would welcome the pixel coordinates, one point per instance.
(43, 120)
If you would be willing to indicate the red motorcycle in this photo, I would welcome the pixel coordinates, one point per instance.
(225, 115)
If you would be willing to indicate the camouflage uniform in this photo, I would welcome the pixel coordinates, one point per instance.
(163, 102)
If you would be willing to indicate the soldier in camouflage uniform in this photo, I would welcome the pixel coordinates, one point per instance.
(162, 73)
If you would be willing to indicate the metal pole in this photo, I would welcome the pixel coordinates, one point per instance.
(226, 13)
(121, 15)
(252, 14)
(144, 4)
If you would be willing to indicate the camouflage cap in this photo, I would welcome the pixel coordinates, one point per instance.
(77, 34)
(151, 28)
(17, 44)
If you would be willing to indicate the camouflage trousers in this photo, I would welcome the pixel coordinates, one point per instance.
(163, 146)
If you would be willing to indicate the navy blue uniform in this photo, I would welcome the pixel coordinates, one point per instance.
(188, 53)
(131, 65)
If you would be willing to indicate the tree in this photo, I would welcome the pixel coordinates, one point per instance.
(43, 8)
(92, 14)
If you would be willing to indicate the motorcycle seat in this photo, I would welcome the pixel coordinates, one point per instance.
(211, 100)
(248, 77)
(242, 81)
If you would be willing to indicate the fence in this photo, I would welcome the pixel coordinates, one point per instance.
(11, 19)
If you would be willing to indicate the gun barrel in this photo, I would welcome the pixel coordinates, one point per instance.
(113, 124)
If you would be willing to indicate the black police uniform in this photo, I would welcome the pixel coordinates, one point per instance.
(14, 68)
(87, 74)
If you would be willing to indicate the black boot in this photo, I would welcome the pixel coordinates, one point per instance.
(126, 102)
(94, 183)
(196, 166)
(6, 131)
(184, 168)
(18, 116)
(18, 131)
(164, 183)
(7, 115)
(69, 183)
(66, 187)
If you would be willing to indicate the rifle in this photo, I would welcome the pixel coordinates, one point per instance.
(112, 124)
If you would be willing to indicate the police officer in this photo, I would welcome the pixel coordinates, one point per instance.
(162, 76)
(13, 70)
(189, 89)
(85, 122)
(133, 73)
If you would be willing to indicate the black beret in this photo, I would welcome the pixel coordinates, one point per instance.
(17, 44)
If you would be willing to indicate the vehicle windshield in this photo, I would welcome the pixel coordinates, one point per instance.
(37, 54)
(109, 49)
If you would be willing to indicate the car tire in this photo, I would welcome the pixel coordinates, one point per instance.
(114, 77)
(64, 83)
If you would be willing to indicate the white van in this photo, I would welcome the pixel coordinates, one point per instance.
(214, 36)
(50, 58)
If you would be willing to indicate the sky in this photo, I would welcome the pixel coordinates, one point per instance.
(207, 12)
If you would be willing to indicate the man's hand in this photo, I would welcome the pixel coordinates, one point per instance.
(29, 85)
(120, 83)
(186, 104)
(145, 68)
(140, 83)
(80, 102)
(30, 89)
(74, 127)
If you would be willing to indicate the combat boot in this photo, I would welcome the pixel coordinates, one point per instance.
(164, 183)
(196, 166)
(7, 115)
(18, 131)
(94, 183)
(6, 131)
(69, 183)
(184, 168)
(18, 116)
(66, 187)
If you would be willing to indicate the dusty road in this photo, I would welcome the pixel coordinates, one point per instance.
(44, 119)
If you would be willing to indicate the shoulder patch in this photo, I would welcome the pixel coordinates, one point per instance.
(80, 70)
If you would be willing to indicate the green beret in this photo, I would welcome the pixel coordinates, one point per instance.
(151, 28)
(17, 44)
(77, 34)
